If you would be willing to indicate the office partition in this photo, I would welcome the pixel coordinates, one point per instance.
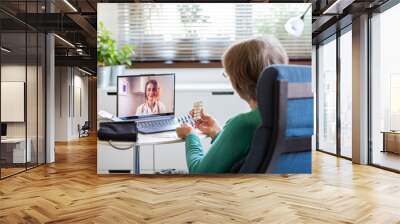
(345, 92)
(327, 96)
(334, 93)
(22, 77)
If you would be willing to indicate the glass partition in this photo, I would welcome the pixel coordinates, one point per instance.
(22, 67)
(13, 113)
(346, 94)
(327, 96)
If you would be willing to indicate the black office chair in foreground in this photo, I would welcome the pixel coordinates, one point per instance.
(282, 144)
(84, 130)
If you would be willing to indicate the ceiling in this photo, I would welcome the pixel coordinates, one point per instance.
(77, 22)
(330, 15)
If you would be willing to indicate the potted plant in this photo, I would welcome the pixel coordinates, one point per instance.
(123, 58)
(111, 60)
(106, 56)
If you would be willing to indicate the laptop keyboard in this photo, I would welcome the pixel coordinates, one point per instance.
(155, 126)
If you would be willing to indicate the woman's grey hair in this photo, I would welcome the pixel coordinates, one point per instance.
(245, 60)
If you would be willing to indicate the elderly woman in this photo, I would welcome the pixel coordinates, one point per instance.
(243, 62)
(152, 104)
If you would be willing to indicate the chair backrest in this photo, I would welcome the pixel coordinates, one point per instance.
(282, 144)
(86, 125)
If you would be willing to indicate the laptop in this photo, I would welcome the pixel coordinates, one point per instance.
(149, 100)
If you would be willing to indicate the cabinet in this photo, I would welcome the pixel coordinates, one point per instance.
(111, 160)
(14, 151)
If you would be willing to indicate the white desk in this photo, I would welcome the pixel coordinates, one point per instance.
(19, 155)
(125, 147)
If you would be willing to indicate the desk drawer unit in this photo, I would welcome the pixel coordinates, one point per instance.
(111, 160)
(14, 151)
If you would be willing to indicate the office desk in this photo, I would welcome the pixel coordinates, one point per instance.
(143, 140)
(18, 151)
(391, 141)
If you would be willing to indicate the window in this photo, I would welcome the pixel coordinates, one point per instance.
(385, 89)
(200, 32)
(346, 94)
(327, 97)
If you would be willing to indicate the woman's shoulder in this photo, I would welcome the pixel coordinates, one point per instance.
(249, 119)
(140, 108)
(161, 105)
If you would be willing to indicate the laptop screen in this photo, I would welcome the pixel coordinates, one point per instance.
(145, 95)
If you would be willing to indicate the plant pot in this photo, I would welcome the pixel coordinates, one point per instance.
(103, 76)
(116, 70)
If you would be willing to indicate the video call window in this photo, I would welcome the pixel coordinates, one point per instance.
(146, 95)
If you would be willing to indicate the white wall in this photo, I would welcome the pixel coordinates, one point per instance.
(61, 103)
(70, 84)
(81, 104)
(33, 126)
(108, 12)
(14, 73)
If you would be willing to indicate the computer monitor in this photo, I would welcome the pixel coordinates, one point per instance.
(3, 130)
(145, 95)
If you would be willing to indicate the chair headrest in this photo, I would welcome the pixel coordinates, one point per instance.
(265, 84)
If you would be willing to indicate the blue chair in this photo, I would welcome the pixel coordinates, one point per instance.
(282, 144)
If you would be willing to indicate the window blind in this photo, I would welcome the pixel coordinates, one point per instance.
(202, 31)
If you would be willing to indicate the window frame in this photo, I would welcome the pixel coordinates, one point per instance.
(198, 64)
(334, 37)
(381, 9)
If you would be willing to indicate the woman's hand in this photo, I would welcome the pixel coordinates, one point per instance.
(207, 125)
(183, 131)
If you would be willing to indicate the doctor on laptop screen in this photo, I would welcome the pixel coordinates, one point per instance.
(152, 104)
(148, 94)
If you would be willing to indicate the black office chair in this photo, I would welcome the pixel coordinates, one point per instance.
(282, 144)
(84, 130)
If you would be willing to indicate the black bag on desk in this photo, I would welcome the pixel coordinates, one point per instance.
(118, 131)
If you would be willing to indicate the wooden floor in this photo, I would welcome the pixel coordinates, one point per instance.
(10, 171)
(387, 159)
(70, 191)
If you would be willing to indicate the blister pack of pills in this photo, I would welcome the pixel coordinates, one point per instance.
(185, 119)
(197, 108)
